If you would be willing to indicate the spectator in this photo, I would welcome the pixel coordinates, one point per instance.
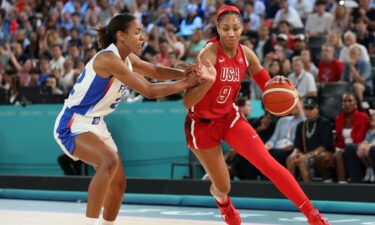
(351, 127)
(248, 13)
(196, 44)
(280, 53)
(350, 39)
(309, 66)
(45, 70)
(334, 39)
(15, 98)
(287, 13)
(358, 73)
(175, 42)
(4, 59)
(284, 28)
(365, 10)
(66, 80)
(87, 43)
(303, 7)
(272, 7)
(191, 22)
(319, 23)
(358, 159)
(263, 44)
(281, 144)
(313, 144)
(259, 8)
(52, 83)
(330, 69)
(286, 67)
(57, 61)
(34, 78)
(147, 48)
(282, 41)
(24, 73)
(364, 37)
(341, 21)
(303, 80)
(274, 68)
(7, 80)
(299, 44)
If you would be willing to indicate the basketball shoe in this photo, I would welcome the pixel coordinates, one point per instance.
(229, 214)
(315, 218)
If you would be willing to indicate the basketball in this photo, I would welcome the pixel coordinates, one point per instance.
(280, 96)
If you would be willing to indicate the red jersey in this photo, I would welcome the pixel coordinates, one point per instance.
(219, 100)
(330, 72)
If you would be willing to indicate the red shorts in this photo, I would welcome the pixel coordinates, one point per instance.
(204, 133)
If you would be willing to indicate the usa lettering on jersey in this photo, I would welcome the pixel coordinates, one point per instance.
(230, 74)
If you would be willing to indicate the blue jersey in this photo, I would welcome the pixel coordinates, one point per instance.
(91, 98)
(94, 96)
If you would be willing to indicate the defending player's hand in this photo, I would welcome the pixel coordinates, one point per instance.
(193, 68)
(192, 79)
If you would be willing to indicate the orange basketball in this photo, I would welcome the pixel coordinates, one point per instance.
(280, 96)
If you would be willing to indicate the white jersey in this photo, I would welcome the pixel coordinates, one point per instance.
(94, 96)
(91, 98)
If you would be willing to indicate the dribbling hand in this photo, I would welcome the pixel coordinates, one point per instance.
(279, 79)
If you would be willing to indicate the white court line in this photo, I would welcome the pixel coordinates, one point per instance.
(20, 217)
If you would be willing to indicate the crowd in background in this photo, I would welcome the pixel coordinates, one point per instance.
(326, 47)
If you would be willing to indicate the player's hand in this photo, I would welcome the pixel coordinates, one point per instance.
(193, 68)
(279, 79)
(192, 79)
(208, 72)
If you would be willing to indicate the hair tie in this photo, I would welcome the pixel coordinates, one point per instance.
(106, 30)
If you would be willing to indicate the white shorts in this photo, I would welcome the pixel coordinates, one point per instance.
(68, 125)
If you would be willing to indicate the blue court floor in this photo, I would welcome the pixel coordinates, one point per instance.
(30, 212)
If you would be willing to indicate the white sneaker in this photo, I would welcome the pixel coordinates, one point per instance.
(368, 175)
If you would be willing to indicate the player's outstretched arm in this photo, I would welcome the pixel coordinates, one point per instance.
(205, 61)
(107, 64)
(156, 72)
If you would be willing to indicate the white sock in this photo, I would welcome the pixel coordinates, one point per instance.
(92, 221)
(105, 222)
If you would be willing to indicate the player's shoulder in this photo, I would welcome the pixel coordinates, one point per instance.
(209, 52)
(105, 56)
(247, 51)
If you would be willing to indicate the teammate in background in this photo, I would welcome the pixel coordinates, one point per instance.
(213, 116)
(80, 129)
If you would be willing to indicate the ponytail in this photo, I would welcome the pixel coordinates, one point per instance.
(105, 38)
(107, 34)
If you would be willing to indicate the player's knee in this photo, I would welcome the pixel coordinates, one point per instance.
(119, 185)
(110, 163)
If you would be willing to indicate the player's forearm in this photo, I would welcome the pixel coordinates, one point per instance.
(165, 73)
(158, 90)
(195, 94)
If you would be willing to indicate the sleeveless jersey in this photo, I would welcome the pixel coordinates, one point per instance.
(219, 100)
(92, 95)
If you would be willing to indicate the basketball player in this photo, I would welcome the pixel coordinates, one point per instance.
(213, 116)
(80, 129)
